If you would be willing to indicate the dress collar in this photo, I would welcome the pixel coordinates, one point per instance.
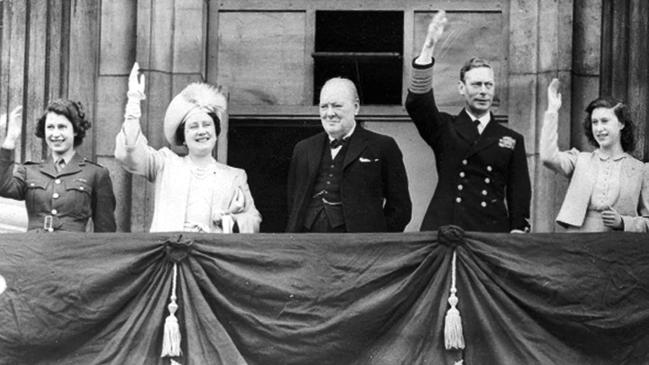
(604, 157)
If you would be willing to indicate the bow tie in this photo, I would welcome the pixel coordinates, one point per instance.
(338, 142)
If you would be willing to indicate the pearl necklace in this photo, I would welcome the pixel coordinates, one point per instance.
(201, 172)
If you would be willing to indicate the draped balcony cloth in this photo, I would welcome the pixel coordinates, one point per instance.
(76, 298)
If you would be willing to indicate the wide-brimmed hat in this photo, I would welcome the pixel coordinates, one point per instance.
(195, 97)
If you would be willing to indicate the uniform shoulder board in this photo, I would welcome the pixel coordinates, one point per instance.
(91, 162)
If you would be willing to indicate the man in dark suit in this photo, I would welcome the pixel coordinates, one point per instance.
(484, 183)
(346, 179)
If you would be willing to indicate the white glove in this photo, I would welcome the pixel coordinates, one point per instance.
(135, 93)
(136, 83)
(13, 125)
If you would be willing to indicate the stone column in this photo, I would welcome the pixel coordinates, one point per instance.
(171, 49)
(540, 48)
(585, 65)
(624, 72)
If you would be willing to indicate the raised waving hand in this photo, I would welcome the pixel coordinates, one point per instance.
(554, 96)
(13, 125)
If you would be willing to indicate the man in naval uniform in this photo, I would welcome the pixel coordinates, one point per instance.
(484, 183)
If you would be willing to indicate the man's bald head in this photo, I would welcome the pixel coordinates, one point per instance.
(345, 83)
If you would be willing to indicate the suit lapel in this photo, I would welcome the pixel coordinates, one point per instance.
(629, 168)
(73, 166)
(47, 168)
(465, 127)
(314, 155)
(357, 144)
(488, 137)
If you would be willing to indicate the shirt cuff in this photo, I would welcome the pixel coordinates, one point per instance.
(421, 78)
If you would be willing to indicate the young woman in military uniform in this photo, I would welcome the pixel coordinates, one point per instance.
(63, 192)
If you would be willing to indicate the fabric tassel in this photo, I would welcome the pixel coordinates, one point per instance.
(453, 337)
(171, 338)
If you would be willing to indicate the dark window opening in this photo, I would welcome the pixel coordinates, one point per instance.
(263, 148)
(364, 46)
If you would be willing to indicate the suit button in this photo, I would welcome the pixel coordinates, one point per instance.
(54, 211)
(460, 187)
(57, 181)
(489, 168)
(332, 166)
(462, 174)
(81, 188)
(55, 195)
(328, 182)
(458, 199)
(484, 192)
(487, 180)
(465, 162)
(484, 204)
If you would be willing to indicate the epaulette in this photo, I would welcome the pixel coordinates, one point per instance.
(92, 162)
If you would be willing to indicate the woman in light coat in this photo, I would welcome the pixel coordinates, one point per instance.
(609, 189)
(192, 193)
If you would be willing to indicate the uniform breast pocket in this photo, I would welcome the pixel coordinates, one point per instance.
(35, 194)
(78, 195)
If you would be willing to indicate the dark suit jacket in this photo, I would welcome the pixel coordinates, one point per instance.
(374, 187)
(484, 184)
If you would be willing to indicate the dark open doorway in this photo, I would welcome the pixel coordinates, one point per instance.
(263, 148)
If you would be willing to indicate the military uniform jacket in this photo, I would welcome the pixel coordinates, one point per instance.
(373, 189)
(63, 200)
(484, 183)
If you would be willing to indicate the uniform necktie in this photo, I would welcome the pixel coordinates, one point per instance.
(477, 125)
(60, 165)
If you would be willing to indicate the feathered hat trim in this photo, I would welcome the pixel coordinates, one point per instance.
(195, 97)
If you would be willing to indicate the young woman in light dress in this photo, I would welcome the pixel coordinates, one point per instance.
(609, 189)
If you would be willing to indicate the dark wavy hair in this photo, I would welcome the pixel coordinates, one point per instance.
(73, 111)
(623, 114)
(180, 131)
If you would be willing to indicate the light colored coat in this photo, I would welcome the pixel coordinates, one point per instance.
(171, 175)
(581, 167)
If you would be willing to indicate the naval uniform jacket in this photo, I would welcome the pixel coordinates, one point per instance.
(484, 183)
(373, 189)
(63, 200)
